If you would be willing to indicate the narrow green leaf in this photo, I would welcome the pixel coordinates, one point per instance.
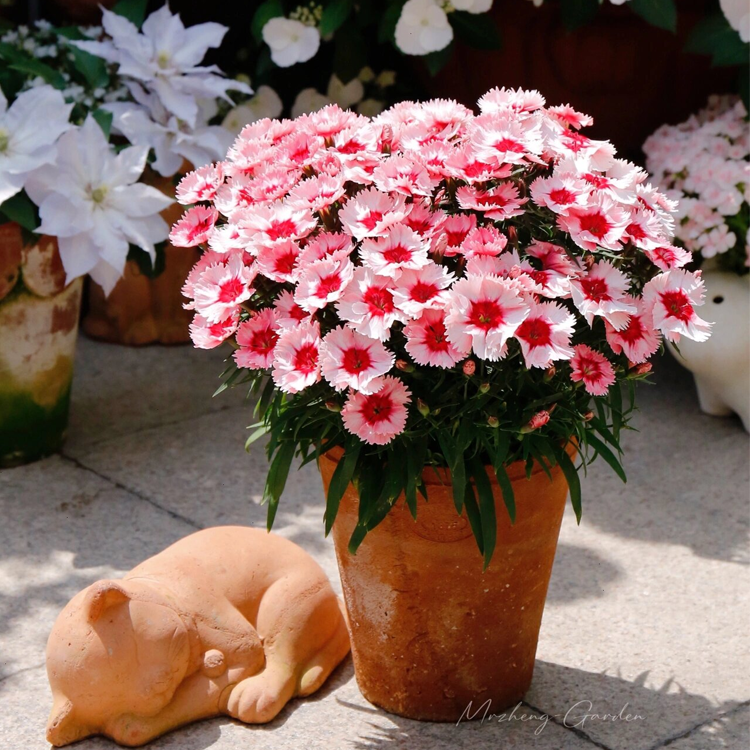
(340, 480)
(486, 508)
(659, 13)
(92, 68)
(32, 67)
(615, 395)
(509, 498)
(574, 481)
(415, 457)
(454, 455)
(334, 14)
(266, 11)
(602, 449)
(133, 10)
(256, 434)
(276, 481)
(436, 61)
(21, 209)
(104, 119)
(475, 518)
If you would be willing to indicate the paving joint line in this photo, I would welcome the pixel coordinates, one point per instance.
(5, 677)
(670, 740)
(575, 730)
(141, 496)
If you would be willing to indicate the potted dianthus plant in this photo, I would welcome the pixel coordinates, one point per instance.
(448, 313)
(704, 163)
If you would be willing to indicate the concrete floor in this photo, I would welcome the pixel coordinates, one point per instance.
(648, 607)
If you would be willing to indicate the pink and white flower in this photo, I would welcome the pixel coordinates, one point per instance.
(256, 338)
(377, 418)
(593, 369)
(638, 340)
(667, 257)
(288, 313)
(401, 249)
(483, 313)
(201, 184)
(372, 213)
(323, 282)
(296, 358)
(672, 298)
(350, 360)
(601, 224)
(264, 225)
(499, 203)
(455, 228)
(206, 335)
(222, 287)
(317, 193)
(484, 240)
(603, 292)
(560, 192)
(278, 262)
(421, 289)
(400, 174)
(368, 305)
(427, 340)
(545, 334)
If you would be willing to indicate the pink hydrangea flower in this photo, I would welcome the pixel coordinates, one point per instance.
(483, 313)
(351, 360)
(593, 369)
(427, 340)
(257, 337)
(377, 418)
(545, 334)
(296, 358)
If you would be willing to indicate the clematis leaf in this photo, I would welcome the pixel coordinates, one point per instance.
(133, 10)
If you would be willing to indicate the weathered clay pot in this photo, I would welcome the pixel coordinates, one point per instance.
(38, 327)
(142, 310)
(433, 635)
(721, 365)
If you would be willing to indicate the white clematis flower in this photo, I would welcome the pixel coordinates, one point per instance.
(24, 145)
(472, 6)
(165, 58)
(291, 41)
(422, 28)
(265, 103)
(91, 200)
(737, 12)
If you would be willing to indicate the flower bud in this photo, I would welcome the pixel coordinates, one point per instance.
(470, 367)
(642, 369)
(538, 420)
(512, 234)
(333, 406)
(404, 366)
(549, 373)
(493, 422)
(588, 416)
(484, 388)
(422, 407)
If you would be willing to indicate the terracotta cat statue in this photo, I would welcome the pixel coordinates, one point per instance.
(229, 620)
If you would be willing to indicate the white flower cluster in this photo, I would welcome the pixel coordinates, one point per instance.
(705, 163)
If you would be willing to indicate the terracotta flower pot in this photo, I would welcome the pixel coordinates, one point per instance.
(142, 310)
(38, 327)
(431, 633)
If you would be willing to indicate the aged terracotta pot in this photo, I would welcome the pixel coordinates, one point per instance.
(142, 310)
(433, 635)
(38, 327)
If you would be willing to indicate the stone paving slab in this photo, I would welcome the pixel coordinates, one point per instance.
(647, 605)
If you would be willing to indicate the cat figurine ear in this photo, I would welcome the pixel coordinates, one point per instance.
(101, 597)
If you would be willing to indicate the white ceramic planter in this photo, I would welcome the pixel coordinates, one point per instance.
(721, 365)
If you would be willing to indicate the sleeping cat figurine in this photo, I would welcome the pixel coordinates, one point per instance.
(229, 620)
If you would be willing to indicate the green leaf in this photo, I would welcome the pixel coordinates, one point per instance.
(436, 61)
(21, 209)
(602, 449)
(454, 455)
(474, 516)
(576, 13)
(659, 13)
(476, 29)
(574, 481)
(33, 68)
(506, 486)
(256, 434)
(276, 481)
(104, 119)
(266, 11)
(615, 403)
(415, 458)
(133, 10)
(340, 480)
(92, 68)
(334, 14)
(388, 21)
(486, 508)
